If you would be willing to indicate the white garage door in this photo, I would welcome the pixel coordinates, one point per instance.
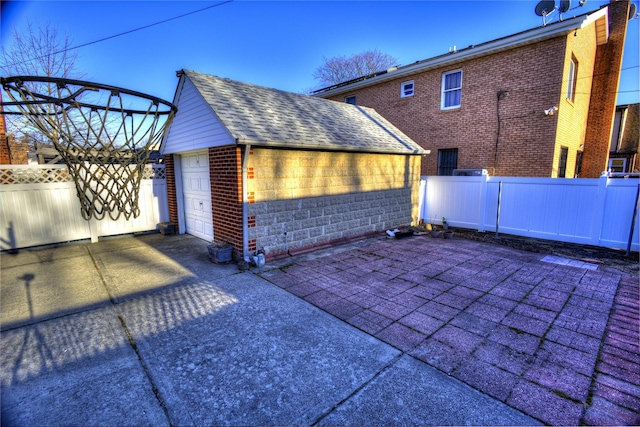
(196, 190)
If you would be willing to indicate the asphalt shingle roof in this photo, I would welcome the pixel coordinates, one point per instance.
(262, 116)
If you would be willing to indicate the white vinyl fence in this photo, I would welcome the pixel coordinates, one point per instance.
(39, 206)
(596, 212)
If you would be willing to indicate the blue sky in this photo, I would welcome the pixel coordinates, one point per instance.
(276, 44)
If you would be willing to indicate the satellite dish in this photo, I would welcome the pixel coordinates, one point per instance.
(632, 11)
(545, 7)
(564, 5)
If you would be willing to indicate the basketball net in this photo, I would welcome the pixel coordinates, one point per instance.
(104, 134)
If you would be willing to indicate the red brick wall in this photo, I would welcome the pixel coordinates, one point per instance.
(530, 79)
(604, 92)
(170, 174)
(526, 139)
(631, 136)
(225, 169)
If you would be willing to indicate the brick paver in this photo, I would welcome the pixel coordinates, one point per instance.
(559, 342)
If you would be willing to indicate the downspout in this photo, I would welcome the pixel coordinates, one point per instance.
(501, 94)
(245, 205)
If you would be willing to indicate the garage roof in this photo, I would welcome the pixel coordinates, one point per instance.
(262, 116)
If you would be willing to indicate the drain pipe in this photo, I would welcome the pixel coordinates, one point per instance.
(245, 205)
(498, 210)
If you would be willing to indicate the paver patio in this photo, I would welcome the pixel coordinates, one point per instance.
(557, 341)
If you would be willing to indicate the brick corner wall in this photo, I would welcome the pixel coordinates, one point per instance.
(225, 171)
(172, 201)
(604, 92)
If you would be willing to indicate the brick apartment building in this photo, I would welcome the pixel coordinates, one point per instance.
(12, 152)
(625, 140)
(538, 103)
(5, 153)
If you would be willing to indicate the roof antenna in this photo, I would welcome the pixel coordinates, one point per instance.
(545, 8)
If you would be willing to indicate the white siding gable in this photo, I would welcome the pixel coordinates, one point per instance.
(195, 125)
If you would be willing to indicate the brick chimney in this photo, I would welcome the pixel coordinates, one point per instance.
(5, 152)
(604, 91)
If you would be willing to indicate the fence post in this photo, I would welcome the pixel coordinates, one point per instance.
(599, 207)
(633, 220)
(483, 201)
(422, 200)
(93, 229)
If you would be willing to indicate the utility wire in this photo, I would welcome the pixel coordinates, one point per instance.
(136, 29)
(145, 26)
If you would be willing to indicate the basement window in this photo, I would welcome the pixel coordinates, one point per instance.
(406, 89)
(618, 165)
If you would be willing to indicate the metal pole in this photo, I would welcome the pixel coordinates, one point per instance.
(633, 221)
(498, 210)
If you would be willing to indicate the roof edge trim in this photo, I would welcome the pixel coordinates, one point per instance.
(601, 20)
(505, 43)
(294, 145)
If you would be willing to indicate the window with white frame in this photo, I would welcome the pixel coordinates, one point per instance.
(451, 90)
(573, 76)
(618, 165)
(350, 99)
(406, 89)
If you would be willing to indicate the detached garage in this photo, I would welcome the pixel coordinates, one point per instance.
(262, 168)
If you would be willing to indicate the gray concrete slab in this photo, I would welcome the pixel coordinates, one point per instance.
(130, 267)
(411, 393)
(147, 331)
(39, 285)
(239, 351)
(75, 370)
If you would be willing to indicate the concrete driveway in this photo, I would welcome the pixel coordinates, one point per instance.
(146, 331)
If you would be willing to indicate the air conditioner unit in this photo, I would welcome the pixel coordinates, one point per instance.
(469, 172)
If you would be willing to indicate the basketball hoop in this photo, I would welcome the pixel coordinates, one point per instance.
(104, 134)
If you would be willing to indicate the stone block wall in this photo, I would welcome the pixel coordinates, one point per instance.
(301, 199)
